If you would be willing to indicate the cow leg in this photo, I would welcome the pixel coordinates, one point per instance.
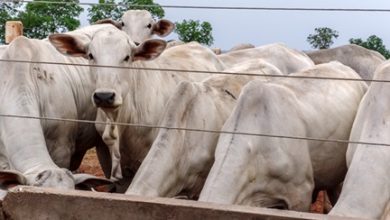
(76, 160)
(104, 157)
(4, 164)
(331, 197)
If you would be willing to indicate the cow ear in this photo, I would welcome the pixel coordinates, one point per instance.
(163, 27)
(117, 24)
(68, 45)
(149, 50)
(88, 182)
(11, 178)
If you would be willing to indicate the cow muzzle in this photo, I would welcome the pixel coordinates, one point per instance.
(105, 99)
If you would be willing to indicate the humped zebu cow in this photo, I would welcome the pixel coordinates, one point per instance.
(279, 172)
(179, 161)
(278, 49)
(241, 47)
(366, 188)
(134, 95)
(362, 60)
(42, 150)
(47, 148)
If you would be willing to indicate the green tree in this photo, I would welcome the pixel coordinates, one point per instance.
(373, 42)
(41, 19)
(195, 31)
(108, 9)
(323, 37)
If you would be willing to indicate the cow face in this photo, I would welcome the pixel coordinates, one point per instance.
(140, 25)
(116, 52)
(54, 178)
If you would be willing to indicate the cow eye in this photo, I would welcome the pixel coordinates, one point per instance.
(123, 24)
(127, 58)
(90, 56)
(149, 26)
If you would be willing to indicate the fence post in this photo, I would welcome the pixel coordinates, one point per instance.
(13, 29)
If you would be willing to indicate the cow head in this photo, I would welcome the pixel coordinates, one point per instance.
(259, 171)
(140, 25)
(113, 49)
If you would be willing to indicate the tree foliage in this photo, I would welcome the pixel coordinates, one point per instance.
(108, 9)
(373, 42)
(190, 30)
(41, 19)
(323, 37)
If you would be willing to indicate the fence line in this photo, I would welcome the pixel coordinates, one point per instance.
(218, 7)
(199, 71)
(192, 129)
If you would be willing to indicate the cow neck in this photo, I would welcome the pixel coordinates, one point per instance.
(82, 83)
(147, 93)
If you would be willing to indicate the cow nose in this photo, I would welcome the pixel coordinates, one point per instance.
(104, 99)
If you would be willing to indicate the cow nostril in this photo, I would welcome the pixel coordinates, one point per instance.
(104, 98)
(111, 98)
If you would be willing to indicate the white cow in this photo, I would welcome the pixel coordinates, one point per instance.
(131, 95)
(366, 189)
(140, 25)
(362, 60)
(179, 161)
(42, 149)
(280, 172)
(242, 47)
(267, 52)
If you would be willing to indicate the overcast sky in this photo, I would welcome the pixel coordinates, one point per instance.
(231, 27)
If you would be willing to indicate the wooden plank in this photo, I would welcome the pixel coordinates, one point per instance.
(13, 29)
(38, 203)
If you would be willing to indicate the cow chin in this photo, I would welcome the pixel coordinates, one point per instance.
(108, 108)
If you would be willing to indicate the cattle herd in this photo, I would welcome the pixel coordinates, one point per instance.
(274, 118)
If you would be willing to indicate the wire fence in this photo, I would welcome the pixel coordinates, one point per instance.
(216, 7)
(201, 72)
(139, 125)
(192, 129)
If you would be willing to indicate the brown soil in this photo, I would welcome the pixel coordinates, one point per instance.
(318, 205)
(91, 165)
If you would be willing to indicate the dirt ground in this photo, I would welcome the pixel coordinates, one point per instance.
(91, 165)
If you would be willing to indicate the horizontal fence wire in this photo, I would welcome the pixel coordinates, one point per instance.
(216, 7)
(193, 129)
(199, 71)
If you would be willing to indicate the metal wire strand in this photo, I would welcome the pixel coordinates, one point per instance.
(199, 71)
(193, 129)
(216, 7)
